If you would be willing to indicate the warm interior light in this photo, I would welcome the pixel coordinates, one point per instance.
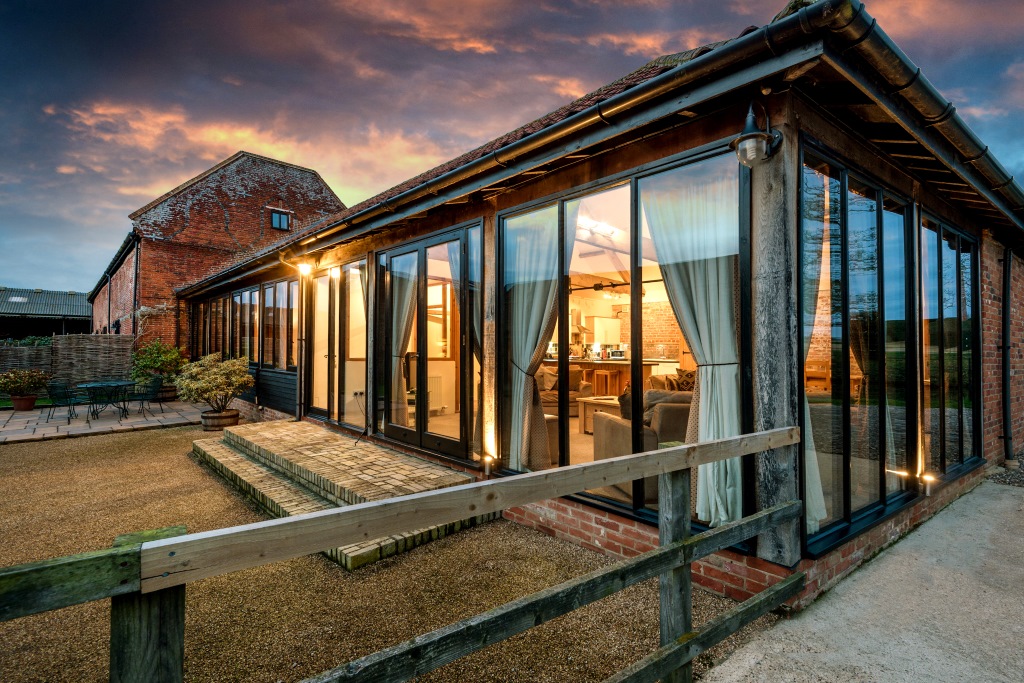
(335, 272)
(305, 268)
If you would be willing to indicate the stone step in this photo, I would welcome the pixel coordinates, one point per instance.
(280, 496)
(340, 468)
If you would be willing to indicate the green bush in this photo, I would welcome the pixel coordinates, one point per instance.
(28, 341)
(157, 358)
(22, 382)
(213, 381)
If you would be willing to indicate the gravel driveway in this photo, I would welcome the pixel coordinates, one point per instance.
(294, 619)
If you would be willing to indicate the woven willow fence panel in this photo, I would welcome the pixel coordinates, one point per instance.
(82, 357)
(74, 357)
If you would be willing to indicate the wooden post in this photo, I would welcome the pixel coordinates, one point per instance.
(774, 264)
(147, 631)
(674, 586)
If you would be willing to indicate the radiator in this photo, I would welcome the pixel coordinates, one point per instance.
(434, 393)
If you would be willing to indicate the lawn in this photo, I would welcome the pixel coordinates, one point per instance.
(291, 620)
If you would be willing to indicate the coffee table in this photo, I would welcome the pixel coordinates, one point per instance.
(596, 404)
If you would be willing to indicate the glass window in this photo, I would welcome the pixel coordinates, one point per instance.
(282, 319)
(896, 324)
(245, 320)
(568, 395)
(254, 326)
(236, 325)
(279, 220)
(353, 296)
(293, 338)
(822, 312)
(269, 325)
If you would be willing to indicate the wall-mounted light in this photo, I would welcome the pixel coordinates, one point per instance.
(335, 273)
(305, 269)
(753, 144)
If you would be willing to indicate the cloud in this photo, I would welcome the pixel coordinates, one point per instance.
(129, 144)
(567, 87)
(951, 22)
(443, 24)
(653, 44)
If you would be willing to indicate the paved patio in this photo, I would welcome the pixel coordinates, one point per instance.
(31, 425)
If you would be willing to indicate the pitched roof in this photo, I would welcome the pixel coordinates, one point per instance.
(43, 303)
(213, 169)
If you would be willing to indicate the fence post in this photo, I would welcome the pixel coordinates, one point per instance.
(147, 631)
(674, 586)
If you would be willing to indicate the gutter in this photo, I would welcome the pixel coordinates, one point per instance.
(1011, 457)
(852, 30)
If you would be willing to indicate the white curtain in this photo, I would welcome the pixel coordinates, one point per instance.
(815, 235)
(692, 215)
(403, 318)
(531, 290)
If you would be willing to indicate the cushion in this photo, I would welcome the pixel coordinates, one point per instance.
(657, 382)
(575, 377)
(546, 378)
(653, 397)
(687, 378)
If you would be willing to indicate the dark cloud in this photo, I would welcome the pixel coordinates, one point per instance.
(106, 105)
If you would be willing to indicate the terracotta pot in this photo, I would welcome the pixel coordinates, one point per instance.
(23, 402)
(214, 422)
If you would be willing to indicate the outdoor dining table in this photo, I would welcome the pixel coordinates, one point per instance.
(105, 394)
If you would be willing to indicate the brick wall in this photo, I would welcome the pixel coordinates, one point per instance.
(661, 334)
(122, 283)
(200, 230)
(729, 573)
(992, 355)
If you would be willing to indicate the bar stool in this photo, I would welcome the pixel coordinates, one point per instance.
(602, 383)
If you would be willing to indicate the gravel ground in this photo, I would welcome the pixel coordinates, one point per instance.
(1005, 476)
(291, 620)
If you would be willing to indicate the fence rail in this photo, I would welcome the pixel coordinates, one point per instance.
(149, 570)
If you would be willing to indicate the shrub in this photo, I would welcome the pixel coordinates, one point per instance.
(22, 382)
(157, 358)
(214, 381)
(28, 341)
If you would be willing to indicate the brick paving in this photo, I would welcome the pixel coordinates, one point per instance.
(290, 468)
(31, 425)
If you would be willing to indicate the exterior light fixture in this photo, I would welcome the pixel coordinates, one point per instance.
(488, 461)
(753, 144)
(305, 269)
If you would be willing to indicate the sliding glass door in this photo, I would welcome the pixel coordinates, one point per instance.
(432, 332)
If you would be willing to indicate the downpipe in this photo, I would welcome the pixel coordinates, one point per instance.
(1011, 457)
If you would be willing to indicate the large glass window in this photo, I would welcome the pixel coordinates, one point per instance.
(949, 407)
(604, 345)
(855, 342)
(873, 388)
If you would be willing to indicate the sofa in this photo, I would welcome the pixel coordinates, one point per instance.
(547, 383)
(667, 415)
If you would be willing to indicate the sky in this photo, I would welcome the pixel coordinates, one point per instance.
(106, 105)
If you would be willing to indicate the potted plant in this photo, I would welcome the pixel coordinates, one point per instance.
(215, 382)
(158, 358)
(23, 385)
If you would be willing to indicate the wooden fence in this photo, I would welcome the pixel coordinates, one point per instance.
(74, 357)
(146, 573)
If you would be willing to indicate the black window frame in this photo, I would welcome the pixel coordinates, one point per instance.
(277, 216)
(636, 510)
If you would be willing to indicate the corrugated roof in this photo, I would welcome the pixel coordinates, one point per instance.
(43, 303)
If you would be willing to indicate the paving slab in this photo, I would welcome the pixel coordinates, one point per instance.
(946, 603)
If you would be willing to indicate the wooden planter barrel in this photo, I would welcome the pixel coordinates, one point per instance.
(168, 392)
(214, 422)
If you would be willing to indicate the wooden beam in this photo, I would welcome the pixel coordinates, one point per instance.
(177, 561)
(670, 657)
(64, 581)
(429, 651)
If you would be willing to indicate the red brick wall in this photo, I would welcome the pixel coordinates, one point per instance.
(207, 226)
(992, 356)
(729, 573)
(122, 282)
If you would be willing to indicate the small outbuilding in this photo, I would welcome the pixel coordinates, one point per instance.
(42, 313)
